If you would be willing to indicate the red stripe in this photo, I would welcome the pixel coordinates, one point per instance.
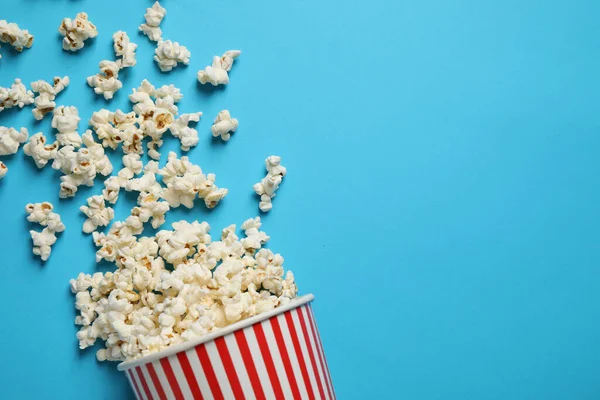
(189, 375)
(268, 359)
(285, 357)
(242, 343)
(144, 384)
(311, 352)
(232, 376)
(324, 366)
(166, 365)
(209, 372)
(157, 385)
(298, 349)
(134, 384)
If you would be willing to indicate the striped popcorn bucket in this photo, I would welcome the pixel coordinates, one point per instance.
(274, 355)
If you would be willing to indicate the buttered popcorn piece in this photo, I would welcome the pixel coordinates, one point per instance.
(143, 306)
(218, 72)
(40, 150)
(168, 54)
(3, 170)
(17, 95)
(18, 38)
(46, 93)
(66, 120)
(124, 49)
(154, 16)
(98, 214)
(267, 187)
(224, 125)
(181, 130)
(11, 139)
(106, 82)
(76, 31)
(42, 214)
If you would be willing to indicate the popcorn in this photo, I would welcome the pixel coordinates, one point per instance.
(15, 96)
(224, 125)
(11, 33)
(124, 50)
(40, 150)
(154, 17)
(181, 130)
(217, 74)
(143, 307)
(42, 214)
(66, 121)
(267, 187)
(76, 31)
(3, 170)
(118, 127)
(185, 181)
(80, 167)
(11, 139)
(106, 82)
(168, 54)
(44, 101)
(98, 214)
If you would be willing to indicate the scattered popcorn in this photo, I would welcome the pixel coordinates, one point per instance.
(144, 307)
(181, 130)
(11, 139)
(3, 170)
(124, 50)
(11, 33)
(106, 82)
(185, 181)
(66, 121)
(117, 127)
(267, 187)
(39, 150)
(154, 17)
(98, 214)
(217, 74)
(15, 96)
(44, 101)
(80, 167)
(76, 31)
(168, 54)
(42, 214)
(224, 125)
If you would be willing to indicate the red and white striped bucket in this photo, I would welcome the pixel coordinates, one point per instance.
(274, 355)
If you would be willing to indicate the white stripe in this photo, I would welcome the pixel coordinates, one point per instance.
(221, 374)
(240, 367)
(149, 382)
(199, 372)
(305, 311)
(140, 386)
(270, 337)
(131, 377)
(287, 338)
(162, 378)
(304, 348)
(259, 363)
(180, 376)
(322, 352)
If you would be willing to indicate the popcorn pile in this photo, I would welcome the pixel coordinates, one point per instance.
(41, 213)
(18, 38)
(218, 73)
(267, 187)
(76, 31)
(145, 306)
(107, 82)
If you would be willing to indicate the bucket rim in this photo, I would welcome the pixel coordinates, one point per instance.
(172, 350)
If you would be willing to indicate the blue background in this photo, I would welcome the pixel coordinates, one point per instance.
(442, 200)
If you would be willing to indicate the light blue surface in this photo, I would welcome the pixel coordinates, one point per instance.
(442, 200)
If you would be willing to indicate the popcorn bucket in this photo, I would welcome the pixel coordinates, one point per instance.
(274, 355)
